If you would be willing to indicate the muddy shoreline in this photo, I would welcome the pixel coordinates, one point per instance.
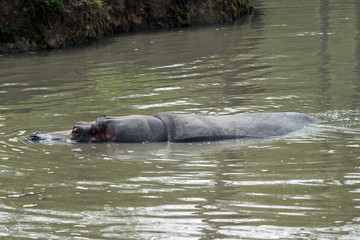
(28, 25)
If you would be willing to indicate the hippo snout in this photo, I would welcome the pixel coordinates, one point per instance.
(52, 136)
(34, 136)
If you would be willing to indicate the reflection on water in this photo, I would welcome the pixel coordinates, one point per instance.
(297, 186)
(189, 191)
(288, 57)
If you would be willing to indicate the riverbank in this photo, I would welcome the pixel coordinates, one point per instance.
(44, 24)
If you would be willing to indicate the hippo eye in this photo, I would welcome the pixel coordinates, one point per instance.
(75, 132)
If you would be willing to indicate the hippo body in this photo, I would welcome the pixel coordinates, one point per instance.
(189, 128)
(181, 127)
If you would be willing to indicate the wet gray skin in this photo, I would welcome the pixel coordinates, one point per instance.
(180, 128)
(81, 132)
(133, 128)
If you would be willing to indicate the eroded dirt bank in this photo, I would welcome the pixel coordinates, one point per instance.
(42, 24)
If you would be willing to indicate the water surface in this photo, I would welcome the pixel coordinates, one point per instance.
(289, 56)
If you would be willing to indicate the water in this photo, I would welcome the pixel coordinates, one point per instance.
(289, 56)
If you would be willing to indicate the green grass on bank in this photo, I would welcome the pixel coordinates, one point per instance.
(31, 22)
(26, 22)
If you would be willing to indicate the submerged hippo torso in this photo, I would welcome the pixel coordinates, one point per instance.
(181, 127)
(184, 128)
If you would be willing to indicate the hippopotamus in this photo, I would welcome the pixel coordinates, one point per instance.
(181, 127)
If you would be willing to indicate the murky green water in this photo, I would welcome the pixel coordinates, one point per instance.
(291, 56)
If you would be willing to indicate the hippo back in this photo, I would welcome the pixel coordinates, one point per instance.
(186, 128)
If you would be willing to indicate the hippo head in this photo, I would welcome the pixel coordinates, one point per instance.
(81, 132)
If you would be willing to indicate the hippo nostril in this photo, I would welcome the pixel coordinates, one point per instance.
(34, 136)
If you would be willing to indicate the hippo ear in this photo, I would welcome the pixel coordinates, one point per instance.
(99, 132)
(96, 128)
